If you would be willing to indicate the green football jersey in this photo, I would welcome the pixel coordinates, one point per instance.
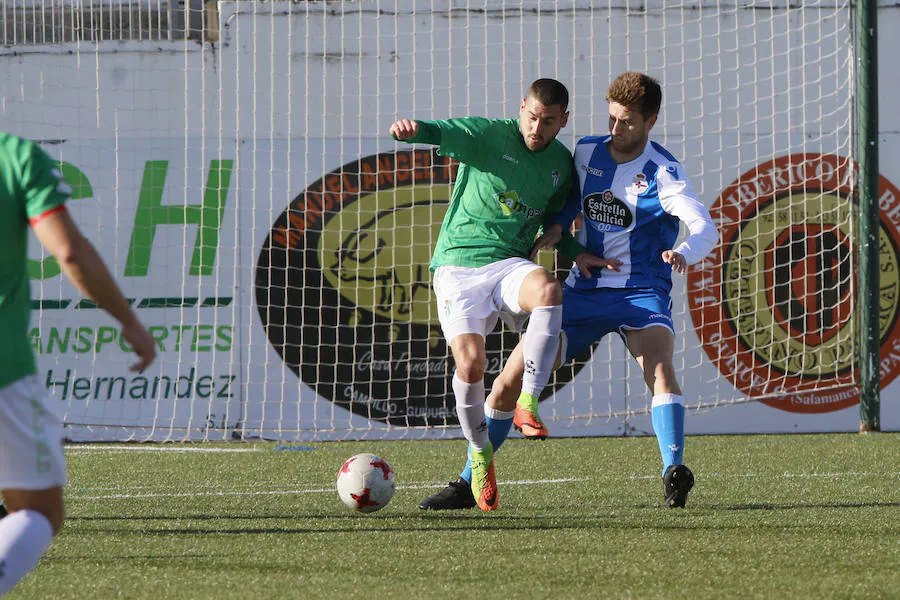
(30, 186)
(503, 191)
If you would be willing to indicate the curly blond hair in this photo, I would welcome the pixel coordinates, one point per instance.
(636, 90)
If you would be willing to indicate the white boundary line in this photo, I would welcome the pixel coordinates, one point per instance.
(329, 490)
(784, 475)
(92, 449)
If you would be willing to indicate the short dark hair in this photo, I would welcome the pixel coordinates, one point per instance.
(549, 92)
(636, 90)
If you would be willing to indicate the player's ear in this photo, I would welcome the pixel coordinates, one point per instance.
(565, 119)
(651, 121)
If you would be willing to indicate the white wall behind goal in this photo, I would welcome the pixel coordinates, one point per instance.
(272, 235)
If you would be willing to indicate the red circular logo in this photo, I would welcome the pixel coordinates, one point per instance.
(773, 303)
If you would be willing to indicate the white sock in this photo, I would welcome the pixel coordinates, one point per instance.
(499, 415)
(539, 348)
(24, 536)
(470, 410)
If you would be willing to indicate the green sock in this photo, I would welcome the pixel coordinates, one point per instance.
(528, 402)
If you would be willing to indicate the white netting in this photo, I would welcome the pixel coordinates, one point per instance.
(233, 167)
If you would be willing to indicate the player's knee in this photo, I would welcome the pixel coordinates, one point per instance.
(663, 369)
(548, 293)
(661, 375)
(470, 371)
(470, 357)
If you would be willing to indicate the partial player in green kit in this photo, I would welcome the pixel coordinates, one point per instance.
(32, 466)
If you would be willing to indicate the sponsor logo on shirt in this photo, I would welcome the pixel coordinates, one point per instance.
(510, 204)
(607, 211)
(593, 171)
(510, 159)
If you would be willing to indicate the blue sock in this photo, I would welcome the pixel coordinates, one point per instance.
(668, 424)
(498, 431)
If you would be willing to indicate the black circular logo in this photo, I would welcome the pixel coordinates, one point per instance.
(343, 290)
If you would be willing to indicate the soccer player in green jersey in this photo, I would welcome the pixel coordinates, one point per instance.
(32, 465)
(513, 174)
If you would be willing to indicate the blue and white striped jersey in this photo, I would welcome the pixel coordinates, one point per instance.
(631, 212)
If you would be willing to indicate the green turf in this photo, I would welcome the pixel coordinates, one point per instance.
(798, 516)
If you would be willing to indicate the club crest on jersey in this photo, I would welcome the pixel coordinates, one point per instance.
(639, 183)
(554, 174)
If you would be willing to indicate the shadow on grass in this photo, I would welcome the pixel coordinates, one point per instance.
(468, 521)
(694, 507)
(768, 506)
(129, 557)
(472, 521)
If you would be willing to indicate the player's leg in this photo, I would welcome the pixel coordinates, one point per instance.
(501, 404)
(467, 314)
(470, 357)
(540, 295)
(32, 473)
(653, 348)
(585, 321)
(468, 388)
(588, 322)
(25, 534)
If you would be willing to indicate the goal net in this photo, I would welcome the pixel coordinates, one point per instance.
(231, 162)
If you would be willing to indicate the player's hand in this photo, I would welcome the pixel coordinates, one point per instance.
(549, 239)
(143, 344)
(404, 129)
(675, 259)
(587, 261)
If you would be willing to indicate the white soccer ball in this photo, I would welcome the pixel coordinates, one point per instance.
(365, 483)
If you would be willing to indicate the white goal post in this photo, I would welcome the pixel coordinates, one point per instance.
(231, 162)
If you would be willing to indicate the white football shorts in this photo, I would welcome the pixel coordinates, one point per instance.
(31, 438)
(471, 300)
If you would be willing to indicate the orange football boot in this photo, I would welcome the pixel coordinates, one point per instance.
(530, 424)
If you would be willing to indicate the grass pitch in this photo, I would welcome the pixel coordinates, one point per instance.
(793, 516)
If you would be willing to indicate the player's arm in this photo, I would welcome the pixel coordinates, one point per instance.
(556, 229)
(677, 198)
(460, 138)
(556, 232)
(83, 266)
